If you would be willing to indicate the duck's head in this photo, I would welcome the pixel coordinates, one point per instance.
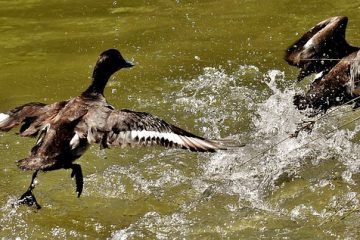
(107, 64)
(111, 61)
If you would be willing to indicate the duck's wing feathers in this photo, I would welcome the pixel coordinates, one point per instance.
(319, 49)
(32, 117)
(127, 128)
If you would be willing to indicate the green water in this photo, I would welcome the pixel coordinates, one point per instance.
(203, 65)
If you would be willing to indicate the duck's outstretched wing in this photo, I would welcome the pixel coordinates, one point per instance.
(321, 48)
(32, 117)
(127, 128)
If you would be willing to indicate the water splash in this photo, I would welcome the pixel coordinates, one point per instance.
(270, 161)
(215, 96)
(155, 226)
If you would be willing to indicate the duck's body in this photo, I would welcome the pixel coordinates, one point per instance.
(67, 128)
(337, 87)
(324, 50)
(53, 149)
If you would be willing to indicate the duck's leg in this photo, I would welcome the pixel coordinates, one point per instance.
(28, 197)
(79, 180)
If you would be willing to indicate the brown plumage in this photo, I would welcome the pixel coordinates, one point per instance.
(324, 50)
(66, 129)
(335, 88)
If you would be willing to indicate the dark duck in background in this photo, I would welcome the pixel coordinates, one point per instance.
(66, 129)
(324, 50)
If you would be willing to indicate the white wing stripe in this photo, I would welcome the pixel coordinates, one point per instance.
(150, 134)
(3, 117)
(176, 139)
(143, 136)
(151, 137)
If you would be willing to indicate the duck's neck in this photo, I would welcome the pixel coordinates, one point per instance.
(97, 86)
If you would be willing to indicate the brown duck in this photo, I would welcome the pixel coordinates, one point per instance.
(66, 129)
(324, 50)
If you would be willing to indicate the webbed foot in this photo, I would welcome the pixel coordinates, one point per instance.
(28, 197)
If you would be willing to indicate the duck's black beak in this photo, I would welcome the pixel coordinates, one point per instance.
(128, 64)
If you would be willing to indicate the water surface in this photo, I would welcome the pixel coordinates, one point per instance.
(212, 67)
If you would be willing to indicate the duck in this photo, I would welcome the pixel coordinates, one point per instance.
(324, 51)
(66, 129)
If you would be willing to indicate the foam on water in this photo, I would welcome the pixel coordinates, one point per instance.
(159, 226)
(215, 96)
(270, 158)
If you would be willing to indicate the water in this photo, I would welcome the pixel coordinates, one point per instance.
(212, 67)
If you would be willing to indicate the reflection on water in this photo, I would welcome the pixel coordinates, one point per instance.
(212, 67)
